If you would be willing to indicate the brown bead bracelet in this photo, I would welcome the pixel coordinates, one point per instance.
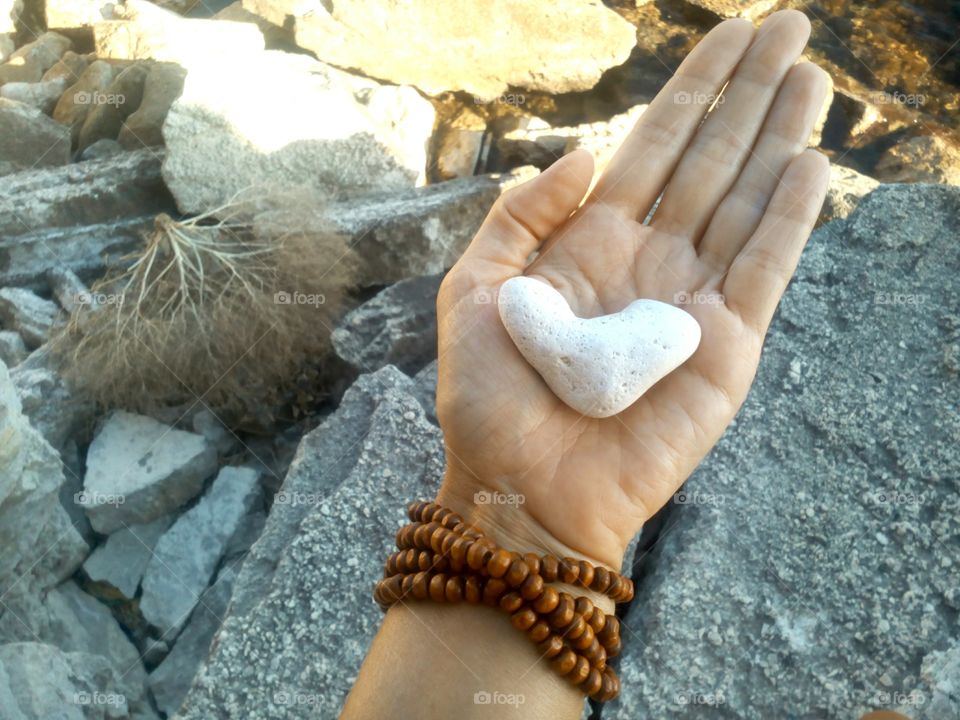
(441, 558)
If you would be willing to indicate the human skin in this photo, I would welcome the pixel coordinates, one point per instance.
(741, 194)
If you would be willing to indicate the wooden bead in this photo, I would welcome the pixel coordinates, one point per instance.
(532, 587)
(438, 585)
(586, 638)
(610, 629)
(517, 572)
(584, 606)
(405, 535)
(451, 521)
(479, 554)
(550, 647)
(608, 687)
(575, 629)
(580, 671)
(586, 574)
(563, 614)
(448, 542)
(492, 590)
(539, 632)
(421, 589)
(390, 566)
(569, 570)
(616, 587)
(523, 619)
(499, 563)
(549, 567)
(473, 590)
(436, 539)
(453, 592)
(547, 602)
(591, 686)
(565, 661)
(511, 602)
(424, 560)
(598, 619)
(613, 647)
(407, 585)
(533, 562)
(596, 654)
(601, 579)
(413, 509)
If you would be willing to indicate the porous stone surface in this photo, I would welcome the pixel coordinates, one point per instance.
(139, 470)
(811, 562)
(420, 231)
(598, 366)
(30, 139)
(844, 192)
(121, 561)
(305, 127)
(186, 555)
(335, 517)
(483, 49)
(398, 326)
(27, 313)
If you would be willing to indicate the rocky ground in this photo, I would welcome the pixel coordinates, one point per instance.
(178, 560)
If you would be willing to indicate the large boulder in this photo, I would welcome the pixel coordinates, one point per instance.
(810, 562)
(31, 61)
(331, 525)
(481, 48)
(306, 125)
(27, 313)
(30, 139)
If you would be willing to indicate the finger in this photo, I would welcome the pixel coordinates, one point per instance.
(524, 216)
(761, 271)
(640, 168)
(784, 136)
(722, 145)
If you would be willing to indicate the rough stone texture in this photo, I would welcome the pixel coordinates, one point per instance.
(139, 470)
(41, 95)
(163, 86)
(336, 516)
(425, 390)
(13, 351)
(171, 680)
(70, 14)
(74, 621)
(537, 143)
(27, 313)
(186, 556)
(925, 159)
(121, 561)
(30, 139)
(847, 187)
(85, 95)
(40, 546)
(68, 289)
(460, 149)
(812, 565)
(305, 126)
(30, 62)
(750, 9)
(124, 95)
(69, 68)
(40, 682)
(398, 326)
(78, 217)
(101, 149)
(481, 48)
(417, 232)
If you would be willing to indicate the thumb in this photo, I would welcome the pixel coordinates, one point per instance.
(524, 216)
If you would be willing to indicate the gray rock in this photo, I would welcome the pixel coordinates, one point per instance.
(398, 326)
(122, 97)
(421, 43)
(41, 682)
(13, 351)
(29, 139)
(812, 562)
(337, 516)
(419, 231)
(144, 127)
(171, 680)
(139, 470)
(425, 390)
(186, 556)
(122, 560)
(103, 148)
(938, 693)
(31, 61)
(460, 149)
(925, 159)
(41, 547)
(217, 434)
(69, 290)
(86, 94)
(27, 313)
(41, 95)
(68, 68)
(847, 187)
(306, 126)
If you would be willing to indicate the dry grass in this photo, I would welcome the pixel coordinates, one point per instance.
(230, 311)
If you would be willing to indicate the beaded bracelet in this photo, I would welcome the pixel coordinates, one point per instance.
(442, 559)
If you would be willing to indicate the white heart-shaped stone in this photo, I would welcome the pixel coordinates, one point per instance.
(598, 366)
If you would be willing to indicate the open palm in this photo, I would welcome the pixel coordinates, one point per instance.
(739, 198)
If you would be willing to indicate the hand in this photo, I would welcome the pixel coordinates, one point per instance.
(740, 197)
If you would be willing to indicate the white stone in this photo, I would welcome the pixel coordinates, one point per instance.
(598, 366)
(121, 561)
